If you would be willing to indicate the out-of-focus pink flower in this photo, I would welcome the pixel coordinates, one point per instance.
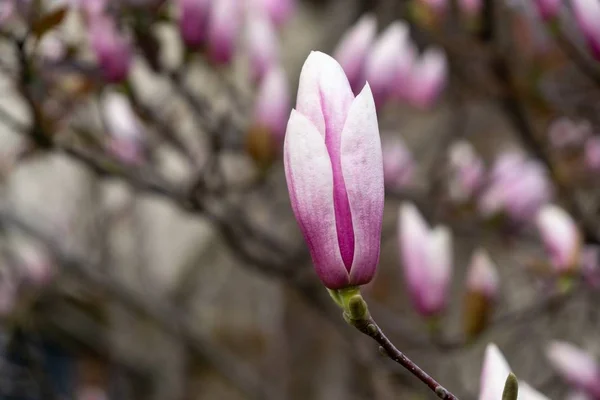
(113, 50)
(548, 9)
(334, 172)
(7, 9)
(587, 13)
(193, 21)
(353, 49)
(494, 372)
(466, 171)
(404, 69)
(92, 393)
(35, 263)
(52, 47)
(439, 6)
(223, 27)
(517, 187)
(592, 154)
(91, 8)
(426, 259)
(560, 236)
(381, 66)
(428, 78)
(261, 44)
(565, 133)
(279, 11)
(576, 366)
(590, 265)
(125, 129)
(483, 276)
(272, 106)
(470, 7)
(398, 164)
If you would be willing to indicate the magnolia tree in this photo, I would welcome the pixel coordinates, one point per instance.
(190, 102)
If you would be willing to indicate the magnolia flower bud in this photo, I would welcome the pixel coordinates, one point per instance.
(113, 50)
(576, 366)
(334, 173)
(353, 49)
(482, 289)
(193, 21)
(587, 13)
(271, 112)
(381, 67)
(565, 133)
(548, 9)
(428, 78)
(398, 164)
(517, 188)
(223, 26)
(592, 154)
(125, 129)
(466, 171)
(560, 236)
(426, 259)
(494, 372)
(261, 45)
(404, 69)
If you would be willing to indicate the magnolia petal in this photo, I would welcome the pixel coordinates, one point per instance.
(362, 169)
(310, 183)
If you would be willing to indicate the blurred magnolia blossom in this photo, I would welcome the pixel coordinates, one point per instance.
(587, 13)
(548, 9)
(52, 47)
(565, 133)
(35, 262)
(428, 78)
(279, 11)
(470, 7)
(334, 172)
(90, 8)
(561, 237)
(590, 265)
(438, 6)
(7, 8)
(466, 171)
(494, 372)
(592, 154)
(125, 129)
(516, 187)
(482, 277)
(426, 256)
(272, 105)
(381, 67)
(223, 27)
(262, 44)
(398, 164)
(193, 21)
(353, 48)
(112, 48)
(404, 69)
(92, 393)
(576, 366)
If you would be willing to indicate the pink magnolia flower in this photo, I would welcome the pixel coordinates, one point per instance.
(404, 69)
(483, 276)
(548, 9)
(466, 171)
(592, 154)
(439, 6)
(576, 366)
(381, 66)
(125, 129)
(334, 172)
(426, 259)
(272, 105)
(560, 236)
(470, 7)
(353, 48)
(494, 372)
(113, 50)
(590, 265)
(35, 263)
(224, 22)
(587, 13)
(517, 187)
(428, 78)
(565, 133)
(398, 164)
(193, 21)
(279, 11)
(261, 44)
